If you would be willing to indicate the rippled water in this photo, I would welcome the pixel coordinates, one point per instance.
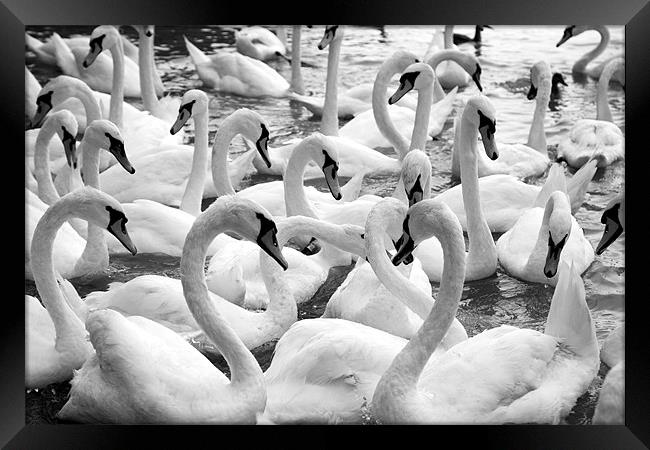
(506, 56)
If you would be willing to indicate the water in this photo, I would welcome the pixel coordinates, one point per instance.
(506, 56)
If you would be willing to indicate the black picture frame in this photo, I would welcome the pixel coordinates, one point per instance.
(634, 14)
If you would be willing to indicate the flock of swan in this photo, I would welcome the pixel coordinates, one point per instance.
(384, 345)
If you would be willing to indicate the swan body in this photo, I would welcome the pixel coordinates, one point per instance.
(259, 43)
(237, 74)
(526, 375)
(55, 338)
(610, 409)
(541, 238)
(140, 364)
(601, 136)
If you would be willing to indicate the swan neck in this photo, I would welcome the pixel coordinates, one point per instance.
(537, 135)
(382, 116)
(90, 103)
(602, 98)
(117, 90)
(422, 113)
(220, 149)
(46, 190)
(193, 195)
(581, 63)
(449, 36)
(297, 84)
(146, 68)
(244, 369)
(329, 125)
(434, 61)
(294, 190)
(64, 319)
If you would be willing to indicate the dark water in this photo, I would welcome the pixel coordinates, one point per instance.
(506, 56)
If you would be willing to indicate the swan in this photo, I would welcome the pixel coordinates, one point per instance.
(601, 136)
(504, 198)
(234, 73)
(325, 370)
(387, 126)
(482, 256)
(614, 219)
(525, 375)
(355, 157)
(580, 66)
(32, 87)
(89, 257)
(523, 160)
(259, 43)
(141, 131)
(139, 364)
(610, 409)
(462, 39)
(449, 73)
(165, 108)
(556, 81)
(55, 339)
(542, 237)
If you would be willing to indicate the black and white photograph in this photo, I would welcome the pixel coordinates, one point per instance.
(325, 224)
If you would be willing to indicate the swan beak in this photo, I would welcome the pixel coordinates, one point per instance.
(565, 37)
(93, 53)
(613, 229)
(532, 92)
(405, 246)
(553, 256)
(312, 247)
(43, 106)
(416, 193)
(327, 38)
(476, 76)
(489, 143)
(332, 180)
(488, 26)
(183, 116)
(116, 147)
(117, 227)
(561, 80)
(70, 148)
(262, 146)
(267, 240)
(406, 84)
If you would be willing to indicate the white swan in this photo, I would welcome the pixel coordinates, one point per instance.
(504, 198)
(482, 256)
(141, 131)
(32, 87)
(542, 237)
(580, 66)
(522, 160)
(355, 157)
(525, 375)
(259, 43)
(590, 137)
(614, 219)
(610, 409)
(93, 259)
(449, 73)
(55, 339)
(325, 370)
(139, 364)
(234, 73)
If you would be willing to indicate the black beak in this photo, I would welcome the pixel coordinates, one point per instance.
(43, 106)
(488, 26)
(183, 116)
(70, 148)
(267, 240)
(416, 193)
(532, 92)
(553, 256)
(116, 147)
(117, 227)
(405, 246)
(476, 76)
(406, 84)
(489, 143)
(262, 147)
(326, 40)
(613, 229)
(93, 53)
(330, 170)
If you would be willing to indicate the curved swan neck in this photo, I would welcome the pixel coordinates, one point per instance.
(225, 134)
(537, 135)
(243, 366)
(435, 60)
(329, 125)
(380, 110)
(422, 112)
(294, 190)
(297, 84)
(65, 321)
(409, 363)
(88, 100)
(416, 300)
(581, 63)
(449, 36)
(481, 245)
(117, 90)
(147, 66)
(193, 194)
(602, 99)
(46, 190)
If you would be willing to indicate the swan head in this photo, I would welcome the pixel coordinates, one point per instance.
(146, 30)
(253, 127)
(416, 176)
(55, 92)
(194, 101)
(540, 75)
(105, 134)
(480, 112)
(66, 127)
(559, 229)
(416, 76)
(426, 219)
(557, 79)
(323, 152)
(102, 210)
(571, 31)
(102, 38)
(332, 32)
(396, 63)
(251, 221)
(614, 219)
